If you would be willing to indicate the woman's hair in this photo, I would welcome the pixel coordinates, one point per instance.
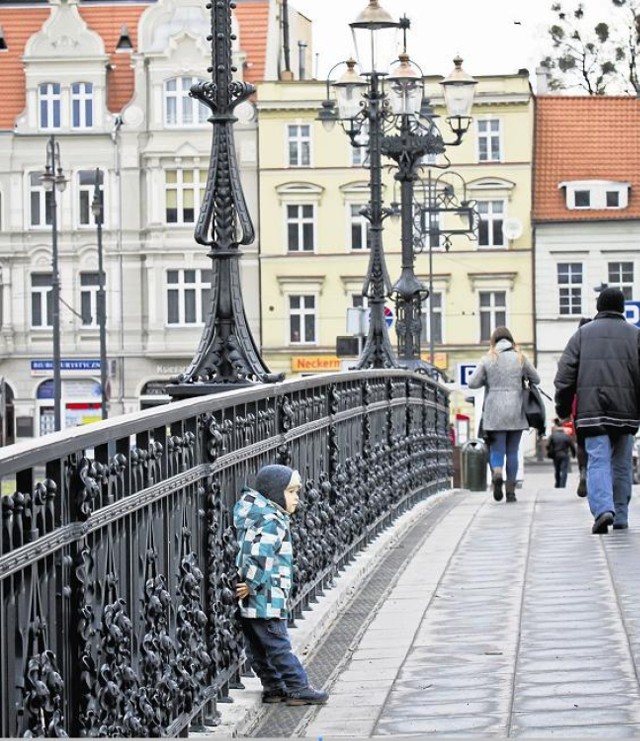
(502, 333)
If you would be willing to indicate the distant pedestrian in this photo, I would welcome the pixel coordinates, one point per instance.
(264, 562)
(560, 448)
(601, 367)
(502, 372)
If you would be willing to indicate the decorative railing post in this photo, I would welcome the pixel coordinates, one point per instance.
(227, 356)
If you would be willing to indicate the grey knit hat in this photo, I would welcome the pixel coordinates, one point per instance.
(271, 482)
(611, 299)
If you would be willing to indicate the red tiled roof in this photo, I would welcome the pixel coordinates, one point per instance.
(585, 138)
(19, 24)
(253, 19)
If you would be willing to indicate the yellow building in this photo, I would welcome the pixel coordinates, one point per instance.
(313, 238)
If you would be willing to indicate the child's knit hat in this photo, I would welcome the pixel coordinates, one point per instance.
(271, 482)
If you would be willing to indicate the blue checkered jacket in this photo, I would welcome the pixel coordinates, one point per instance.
(265, 556)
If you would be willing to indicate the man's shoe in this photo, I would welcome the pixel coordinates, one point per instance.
(582, 487)
(307, 696)
(620, 526)
(601, 523)
(273, 696)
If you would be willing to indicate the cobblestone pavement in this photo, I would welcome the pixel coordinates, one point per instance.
(508, 621)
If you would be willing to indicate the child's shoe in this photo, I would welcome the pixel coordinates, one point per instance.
(307, 696)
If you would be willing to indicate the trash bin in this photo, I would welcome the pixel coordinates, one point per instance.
(475, 458)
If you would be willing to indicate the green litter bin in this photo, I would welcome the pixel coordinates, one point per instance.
(475, 459)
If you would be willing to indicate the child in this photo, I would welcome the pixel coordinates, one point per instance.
(264, 562)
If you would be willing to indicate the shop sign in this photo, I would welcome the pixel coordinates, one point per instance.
(315, 364)
(45, 367)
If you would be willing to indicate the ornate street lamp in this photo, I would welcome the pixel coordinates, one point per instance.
(400, 124)
(97, 209)
(227, 356)
(442, 196)
(53, 181)
(362, 109)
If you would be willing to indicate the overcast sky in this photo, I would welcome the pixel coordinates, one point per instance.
(492, 36)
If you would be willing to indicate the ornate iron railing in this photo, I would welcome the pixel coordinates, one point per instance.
(117, 550)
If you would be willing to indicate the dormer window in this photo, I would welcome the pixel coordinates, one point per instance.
(596, 194)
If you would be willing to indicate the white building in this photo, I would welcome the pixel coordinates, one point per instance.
(110, 81)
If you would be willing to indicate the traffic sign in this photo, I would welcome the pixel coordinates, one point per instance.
(464, 373)
(388, 316)
(632, 312)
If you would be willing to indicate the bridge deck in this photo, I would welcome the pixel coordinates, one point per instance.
(506, 620)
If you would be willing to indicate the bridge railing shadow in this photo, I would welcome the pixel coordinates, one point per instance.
(117, 549)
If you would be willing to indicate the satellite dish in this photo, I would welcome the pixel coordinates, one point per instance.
(512, 228)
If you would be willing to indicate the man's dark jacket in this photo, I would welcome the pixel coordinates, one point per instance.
(601, 367)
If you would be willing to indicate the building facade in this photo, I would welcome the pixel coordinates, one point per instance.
(110, 81)
(314, 239)
(586, 214)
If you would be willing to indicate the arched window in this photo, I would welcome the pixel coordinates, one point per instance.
(179, 108)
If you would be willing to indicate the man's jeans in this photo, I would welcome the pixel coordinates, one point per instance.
(561, 466)
(269, 652)
(609, 475)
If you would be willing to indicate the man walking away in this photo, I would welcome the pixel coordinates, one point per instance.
(561, 446)
(601, 366)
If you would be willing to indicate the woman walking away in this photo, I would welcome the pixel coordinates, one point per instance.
(501, 371)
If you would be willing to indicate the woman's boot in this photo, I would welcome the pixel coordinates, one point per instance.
(497, 484)
(510, 487)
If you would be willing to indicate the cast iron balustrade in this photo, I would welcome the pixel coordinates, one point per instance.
(117, 549)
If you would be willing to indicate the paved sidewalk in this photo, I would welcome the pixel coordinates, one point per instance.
(505, 621)
(510, 621)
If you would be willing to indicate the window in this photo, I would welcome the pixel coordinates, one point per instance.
(184, 190)
(570, 288)
(489, 149)
(89, 285)
(302, 319)
(613, 199)
(40, 202)
(596, 194)
(359, 229)
(86, 189)
(300, 228)
(491, 221)
(582, 199)
(621, 276)
(493, 312)
(188, 293)
(434, 302)
(360, 152)
(299, 143)
(49, 99)
(180, 108)
(41, 300)
(82, 105)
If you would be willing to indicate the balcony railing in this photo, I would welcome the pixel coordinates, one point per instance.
(117, 550)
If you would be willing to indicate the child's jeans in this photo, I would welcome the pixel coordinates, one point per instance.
(269, 652)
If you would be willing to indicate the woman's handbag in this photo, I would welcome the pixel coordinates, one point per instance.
(533, 406)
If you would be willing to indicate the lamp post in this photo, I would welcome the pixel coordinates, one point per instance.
(401, 126)
(97, 209)
(53, 180)
(443, 195)
(227, 356)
